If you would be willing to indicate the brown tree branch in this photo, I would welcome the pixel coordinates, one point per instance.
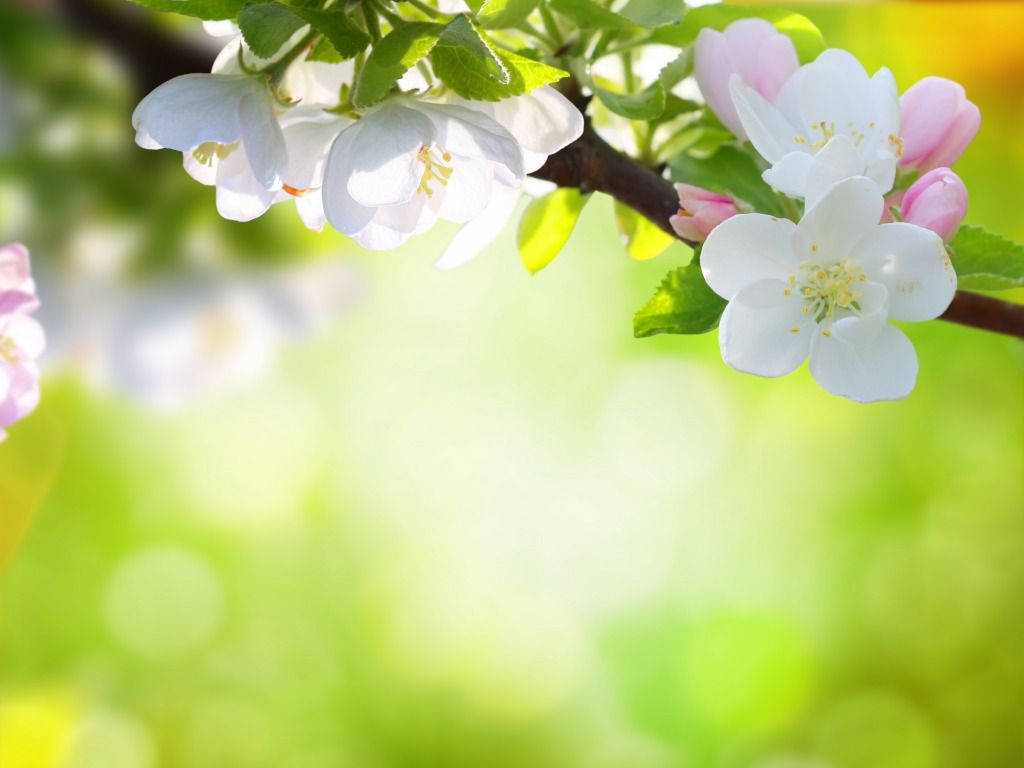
(592, 165)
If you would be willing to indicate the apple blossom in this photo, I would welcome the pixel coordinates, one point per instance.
(700, 211)
(824, 289)
(21, 338)
(938, 122)
(407, 162)
(542, 121)
(826, 103)
(754, 50)
(936, 201)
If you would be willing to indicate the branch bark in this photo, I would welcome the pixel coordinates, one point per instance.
(592, 165)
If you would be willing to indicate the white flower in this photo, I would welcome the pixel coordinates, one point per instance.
(830, 121)
(543, 121)
(227, 130)
(407, 163)
(825, 288)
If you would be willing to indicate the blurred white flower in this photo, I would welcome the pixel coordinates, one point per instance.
(830, 121)
(825, 289)
(21, 338)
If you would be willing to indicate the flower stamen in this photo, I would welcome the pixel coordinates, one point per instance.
(824, 289)
(434, 169)
(8, 351)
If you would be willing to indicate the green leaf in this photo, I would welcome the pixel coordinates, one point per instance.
(467, 63)
(643, 238)
(678, 69)
(546, 225)
(497, 14)
(335, 25)
(325, 52)
(526, 74)
(648, 104)
(653, 13)
(730, 171)
(391, 57)
(202, 9)
(805, 35)
(683, 304)
(586, 14)
(985, 261)
(268, 26)
(676, 106)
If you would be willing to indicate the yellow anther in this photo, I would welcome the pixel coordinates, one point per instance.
(826, 332)
(433, 170)
(814, 247)
(794, 329)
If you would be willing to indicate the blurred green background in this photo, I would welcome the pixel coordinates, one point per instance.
(471, 521)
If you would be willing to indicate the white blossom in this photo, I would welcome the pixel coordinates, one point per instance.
(825, 289)
(830, 121)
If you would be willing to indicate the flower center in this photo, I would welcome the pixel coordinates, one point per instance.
(434, 169)
(8, 351)
(826, 288)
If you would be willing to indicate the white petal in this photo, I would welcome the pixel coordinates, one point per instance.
(344, 213)
(479, 233)
(384, 162)
(377, 237)
(221, 28)
(881, 169)
(470, 133)
(311, 210)
(407, 218)
(763, 330)
(911, 262)
(849, 211)
(467, 193)
(262, 139)
(542, 121)
(204, 173)
(767, 128)
(837, 160)
(192, 109)
(240, 195)
(885, 102)
(789, 174)
(746, 248)
(309, 133)
(864, 367)
(835, 90)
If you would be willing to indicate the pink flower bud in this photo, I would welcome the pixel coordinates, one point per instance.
(21, 337)
(936, 201)
(938, 122)
(700, 211)
(751, 48)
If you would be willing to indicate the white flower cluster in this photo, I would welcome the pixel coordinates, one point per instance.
(380, 176)
(825, 288)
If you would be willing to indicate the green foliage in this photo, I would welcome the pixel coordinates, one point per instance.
(683, 304)
(526, 74)
(802, 31)
(586, 14)
(467, 63)
(201, 9)
(546, 225)
(729, 171)
(268, 26)
(505, 13)
(642, 238)
(391, 57)
(653, 13)
(648, 104)
(985, 261)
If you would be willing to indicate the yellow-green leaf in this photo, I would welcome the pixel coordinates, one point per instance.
(643, 239)
(546, 225)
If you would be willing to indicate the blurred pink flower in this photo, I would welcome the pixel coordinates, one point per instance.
(938, 122)
(21, 337)
(752, 48)
(936, 201)
(700, 211)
